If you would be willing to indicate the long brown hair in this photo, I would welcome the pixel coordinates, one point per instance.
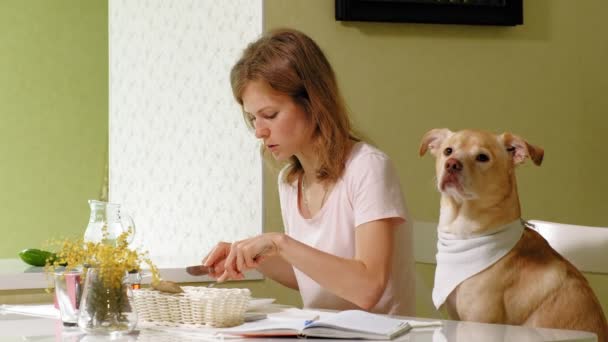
(292, 63)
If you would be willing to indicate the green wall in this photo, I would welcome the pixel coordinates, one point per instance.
(545, 80)
(53, 117)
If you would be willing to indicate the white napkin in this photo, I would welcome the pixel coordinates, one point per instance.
(47, 311)
(459, 259)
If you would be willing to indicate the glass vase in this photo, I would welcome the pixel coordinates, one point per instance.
(105, 307)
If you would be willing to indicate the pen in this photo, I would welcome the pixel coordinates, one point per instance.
(310, 321)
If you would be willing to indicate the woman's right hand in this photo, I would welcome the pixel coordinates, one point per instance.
(216, 259)
(231, 260)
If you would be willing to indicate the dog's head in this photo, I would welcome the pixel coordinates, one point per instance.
(474, 164)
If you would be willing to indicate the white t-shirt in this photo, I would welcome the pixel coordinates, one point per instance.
(368, 190)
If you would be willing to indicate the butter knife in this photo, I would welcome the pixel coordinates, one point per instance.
(199, 270)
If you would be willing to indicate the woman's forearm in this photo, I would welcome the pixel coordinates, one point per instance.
(277, 269)
(351, 279)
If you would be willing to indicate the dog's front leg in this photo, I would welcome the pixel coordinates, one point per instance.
(472, 302)
(450, 305)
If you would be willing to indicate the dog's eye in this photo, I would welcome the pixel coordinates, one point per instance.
(482, 158)
(447, 151)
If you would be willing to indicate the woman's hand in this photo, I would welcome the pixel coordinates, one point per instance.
(243, 255)
(271, 265)
(216, 258)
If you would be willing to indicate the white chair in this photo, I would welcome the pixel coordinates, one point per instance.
(585, 247)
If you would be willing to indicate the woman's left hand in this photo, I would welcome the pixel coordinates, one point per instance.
(248, 254)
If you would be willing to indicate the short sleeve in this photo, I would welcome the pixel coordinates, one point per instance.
(375, 189)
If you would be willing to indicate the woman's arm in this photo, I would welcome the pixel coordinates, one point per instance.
(279, 270)
(361, 280)
(273, 267)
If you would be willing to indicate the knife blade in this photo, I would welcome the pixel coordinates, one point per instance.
(199, 270)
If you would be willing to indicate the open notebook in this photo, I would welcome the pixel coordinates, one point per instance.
(350, 324)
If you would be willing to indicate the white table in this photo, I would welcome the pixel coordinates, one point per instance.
(15, 327)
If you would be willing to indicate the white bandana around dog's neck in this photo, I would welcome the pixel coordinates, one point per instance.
(459, 259)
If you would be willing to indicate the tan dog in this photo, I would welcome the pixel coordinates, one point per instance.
(530, 283)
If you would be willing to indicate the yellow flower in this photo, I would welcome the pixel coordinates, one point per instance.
(113, 259)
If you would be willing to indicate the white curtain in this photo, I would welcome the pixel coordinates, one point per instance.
(182, 162)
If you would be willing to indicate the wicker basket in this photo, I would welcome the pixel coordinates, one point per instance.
(195, 306)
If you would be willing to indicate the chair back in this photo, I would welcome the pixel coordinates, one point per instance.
(585, 247)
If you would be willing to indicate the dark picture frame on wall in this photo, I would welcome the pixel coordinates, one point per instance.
(465, 12)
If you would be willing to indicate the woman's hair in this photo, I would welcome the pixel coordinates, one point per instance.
(293, 64)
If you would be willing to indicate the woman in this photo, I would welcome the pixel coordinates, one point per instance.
(347, 241)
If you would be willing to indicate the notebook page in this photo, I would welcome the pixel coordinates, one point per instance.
(356, 320)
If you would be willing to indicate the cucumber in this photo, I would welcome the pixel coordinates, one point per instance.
(36, 257)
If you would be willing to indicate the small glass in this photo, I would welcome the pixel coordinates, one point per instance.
(67, 294)
(134, 279)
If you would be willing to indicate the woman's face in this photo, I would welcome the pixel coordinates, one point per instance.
(279, 122)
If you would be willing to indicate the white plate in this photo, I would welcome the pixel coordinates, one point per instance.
(257, 303)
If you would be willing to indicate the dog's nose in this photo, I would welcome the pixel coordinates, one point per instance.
(453, 165)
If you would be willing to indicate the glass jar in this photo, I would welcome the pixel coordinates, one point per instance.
(105, 307)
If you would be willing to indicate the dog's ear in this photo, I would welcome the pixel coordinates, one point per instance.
(433, 139)
(520, 149)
